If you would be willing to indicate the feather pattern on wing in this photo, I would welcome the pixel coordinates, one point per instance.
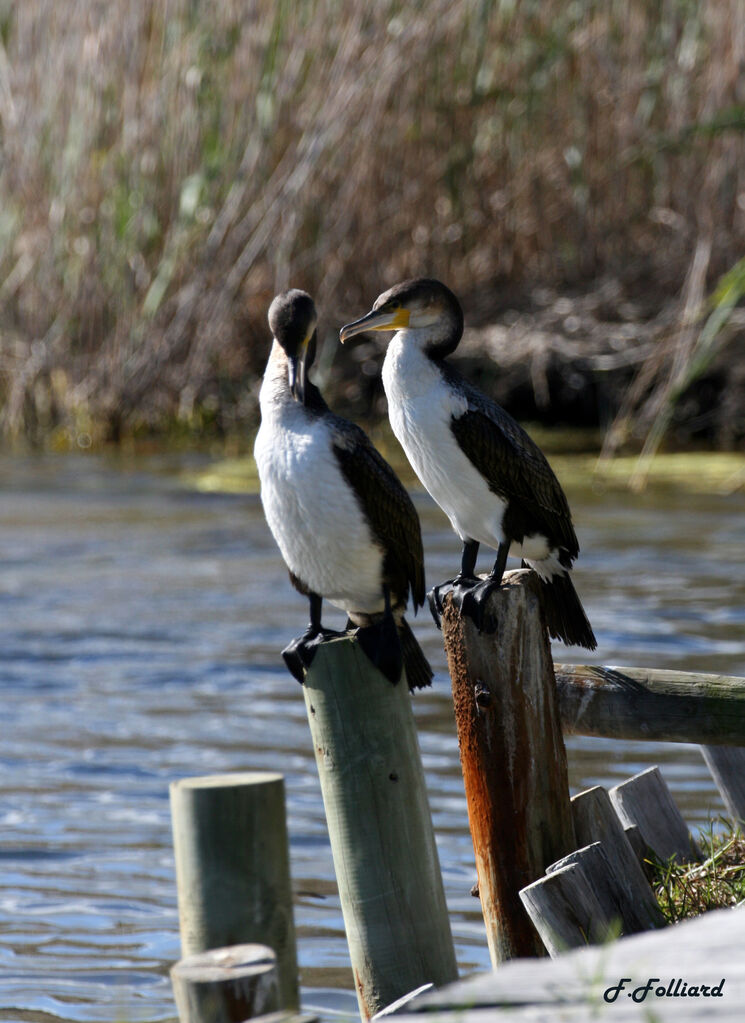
(388, 508)
(515, 469)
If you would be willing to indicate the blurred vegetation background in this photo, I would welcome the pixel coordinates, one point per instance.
(573, 170)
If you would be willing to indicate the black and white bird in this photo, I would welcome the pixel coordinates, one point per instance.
(345, 526)
(479, 465)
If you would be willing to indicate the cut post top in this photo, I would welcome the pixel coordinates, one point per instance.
(232, 780)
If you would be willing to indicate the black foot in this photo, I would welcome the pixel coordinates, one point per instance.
(299, 654)
(382, 646)
(475, 604)
(459, 587)
(470, 596)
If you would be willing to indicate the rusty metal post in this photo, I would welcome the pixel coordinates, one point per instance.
(512, 755)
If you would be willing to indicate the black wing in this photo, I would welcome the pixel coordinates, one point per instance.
(388, 508)
(516, 470)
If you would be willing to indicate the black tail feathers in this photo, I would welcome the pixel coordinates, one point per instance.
(565, 616)
(418, 672)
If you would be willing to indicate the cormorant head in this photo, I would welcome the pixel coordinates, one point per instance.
(292, 320)
(427, 310)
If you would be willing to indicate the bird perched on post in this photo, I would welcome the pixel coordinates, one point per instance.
(479, 465)
(345, 526)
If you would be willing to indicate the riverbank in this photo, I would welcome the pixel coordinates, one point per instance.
(598, 362)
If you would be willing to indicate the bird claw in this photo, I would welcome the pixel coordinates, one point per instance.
(458, 587)
(475, 604)
(298, 655)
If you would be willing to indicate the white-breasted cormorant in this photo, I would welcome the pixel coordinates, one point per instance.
(491, 480)
(345, 526)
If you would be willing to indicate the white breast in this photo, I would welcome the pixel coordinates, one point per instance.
(312, 512)
(420, 408)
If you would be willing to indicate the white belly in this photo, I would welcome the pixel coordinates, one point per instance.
(314, 515)
(420, 408)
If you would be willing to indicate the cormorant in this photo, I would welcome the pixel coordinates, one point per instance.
(491, 480)
(345, 526)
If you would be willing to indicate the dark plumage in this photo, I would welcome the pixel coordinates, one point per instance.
(346, 527)
(481, 467)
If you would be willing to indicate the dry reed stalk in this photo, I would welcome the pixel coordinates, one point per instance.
(166, 167)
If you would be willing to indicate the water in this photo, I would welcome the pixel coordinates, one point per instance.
(140, 624)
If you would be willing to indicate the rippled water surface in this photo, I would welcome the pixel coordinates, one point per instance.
(140, 624)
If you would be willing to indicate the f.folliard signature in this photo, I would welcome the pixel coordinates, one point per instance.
(676, 988)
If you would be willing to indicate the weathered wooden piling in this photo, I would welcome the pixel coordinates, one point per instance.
(606, 886)
(595, 820)
(226, 985)
(512, 755)
(382, 839)
(646, 800)
(232, 868)
(566, 910)
(727, 766)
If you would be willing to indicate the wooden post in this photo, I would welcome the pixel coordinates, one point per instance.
(595, 820)
(226, 985)
(232, 868)
(646, 800)
(727, 766)
(512, 755)
(566, 911)
(380, 827)
(608, 890)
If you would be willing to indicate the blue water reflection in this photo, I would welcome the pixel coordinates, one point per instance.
(140, 625)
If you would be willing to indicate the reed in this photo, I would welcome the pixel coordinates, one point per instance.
(167, 165)
(688, 889)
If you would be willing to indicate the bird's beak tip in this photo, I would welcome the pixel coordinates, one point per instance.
(374, 320)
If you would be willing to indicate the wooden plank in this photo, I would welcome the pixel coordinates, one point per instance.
(608, 891)
(397, 1006)
(703, 951)
(727, 766)
(595, 820)
(232, 867)
(658, 705)
(226, 985)
(382, 839)
(512, 755)
(646, 800)
(636, 841)
(566, 911)
(283, 1016)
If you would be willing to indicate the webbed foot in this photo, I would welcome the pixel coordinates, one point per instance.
(298, 655)
(459, 587)
(475, 604)
(470, 596)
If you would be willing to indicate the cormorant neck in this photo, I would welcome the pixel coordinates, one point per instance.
(275, 388)
(439, 339)
(442, 346)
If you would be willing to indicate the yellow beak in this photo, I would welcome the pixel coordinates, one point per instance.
(375, 320)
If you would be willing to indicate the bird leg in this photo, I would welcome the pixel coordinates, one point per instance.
(382, 644)
(460, 586)
(475, 601)
(299, 654)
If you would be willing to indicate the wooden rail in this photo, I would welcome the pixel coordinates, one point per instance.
(651, 704)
